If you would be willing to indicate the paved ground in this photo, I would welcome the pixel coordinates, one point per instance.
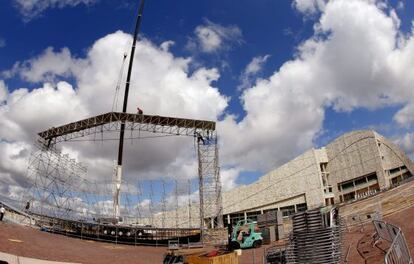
(13, 259)
(29, 242)
(359, 239)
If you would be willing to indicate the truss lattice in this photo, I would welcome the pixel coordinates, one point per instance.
(209, 183)
(112, 122)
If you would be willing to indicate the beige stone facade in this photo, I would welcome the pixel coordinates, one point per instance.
(353, 166)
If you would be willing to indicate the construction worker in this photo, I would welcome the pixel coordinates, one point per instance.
(2, 212)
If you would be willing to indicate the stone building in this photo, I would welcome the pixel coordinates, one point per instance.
(353, 166)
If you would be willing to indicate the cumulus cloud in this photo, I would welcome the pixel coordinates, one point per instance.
(33, 8)
(309, 7)
(212, 37)
(360, 63)
(3, 91)
(406, 142)
(229, 178)
(47, 66)
(251, 70)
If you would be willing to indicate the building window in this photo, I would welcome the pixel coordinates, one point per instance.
(372, 177)
(323, 166)
(356, 182)
(234, 218)
(288, 210)
(347, 185)
(253, 215)
(302, 207)
(349, 196)
(360, 181)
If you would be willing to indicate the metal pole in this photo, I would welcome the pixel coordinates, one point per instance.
(254, 256)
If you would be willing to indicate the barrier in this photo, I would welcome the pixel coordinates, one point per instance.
(17, 216)
(398, 253)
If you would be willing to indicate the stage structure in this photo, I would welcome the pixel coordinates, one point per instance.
(56, 186)
(205, 136)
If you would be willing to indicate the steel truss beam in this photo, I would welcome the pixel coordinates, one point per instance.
(112, 122)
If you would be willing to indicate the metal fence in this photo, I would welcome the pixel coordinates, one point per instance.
(398, 253)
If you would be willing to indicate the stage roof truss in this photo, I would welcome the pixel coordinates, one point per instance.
(112, 122)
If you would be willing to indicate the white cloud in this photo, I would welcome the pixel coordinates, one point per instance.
(33, 8)
(48, 65)
(350, 62)
(256, 64)
(2, 43)
(254, 67)
(3, 91)
(406, 142)
(26, 113)
(212, 37)
(309, 7)
(228, 178)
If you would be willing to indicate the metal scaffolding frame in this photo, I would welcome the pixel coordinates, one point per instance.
(207, 151)
(211, 207)
(56, 184)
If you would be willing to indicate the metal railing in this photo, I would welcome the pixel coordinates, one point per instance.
(15, 215)
(398, 252)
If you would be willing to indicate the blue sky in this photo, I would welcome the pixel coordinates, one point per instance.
(286, 75)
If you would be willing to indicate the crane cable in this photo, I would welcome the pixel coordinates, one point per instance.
(118, 84)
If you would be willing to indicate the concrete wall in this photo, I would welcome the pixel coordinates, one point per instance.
(392, 157)
(360, 153)
(297, 181)
(351, 156)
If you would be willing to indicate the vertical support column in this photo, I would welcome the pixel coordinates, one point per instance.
(117, 190)
(176, 203)
(163, 204)
(189, 204)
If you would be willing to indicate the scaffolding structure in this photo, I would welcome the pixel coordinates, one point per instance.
(58, 186)
(52, 184)
(211, 209)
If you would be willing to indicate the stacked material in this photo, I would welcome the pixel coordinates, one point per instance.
(312, 242)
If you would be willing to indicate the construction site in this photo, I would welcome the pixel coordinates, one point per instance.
(350, 201)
